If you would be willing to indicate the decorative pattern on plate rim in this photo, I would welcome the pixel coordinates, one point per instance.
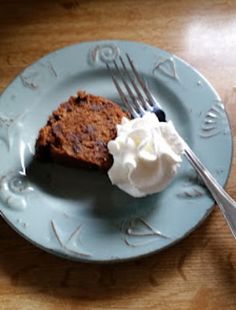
(7, 124)
(14, 190)
(31, 77)
(104, 53)
(167, 67)
(136, 228)
(214, 122)
(191, 191)
(66, 245)
(192, 188)
(22, 223)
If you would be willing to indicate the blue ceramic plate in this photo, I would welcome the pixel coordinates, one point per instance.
(79, 214)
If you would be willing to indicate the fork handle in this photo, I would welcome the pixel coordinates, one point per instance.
(226, 204)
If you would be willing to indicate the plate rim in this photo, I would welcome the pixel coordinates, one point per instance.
(175, 241)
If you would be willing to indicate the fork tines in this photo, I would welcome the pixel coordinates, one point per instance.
(132, 93)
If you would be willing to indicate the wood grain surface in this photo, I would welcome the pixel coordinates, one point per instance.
(200, 271)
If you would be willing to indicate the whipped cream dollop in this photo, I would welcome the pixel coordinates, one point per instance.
(146, 153)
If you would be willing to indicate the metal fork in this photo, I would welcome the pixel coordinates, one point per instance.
(138, 99)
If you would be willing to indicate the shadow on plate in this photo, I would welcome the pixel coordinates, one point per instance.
(89, 188)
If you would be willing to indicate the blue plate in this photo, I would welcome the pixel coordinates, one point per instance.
(78, 214)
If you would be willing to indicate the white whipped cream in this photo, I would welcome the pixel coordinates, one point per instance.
(146, 153)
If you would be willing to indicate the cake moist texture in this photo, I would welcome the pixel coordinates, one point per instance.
(77, 133)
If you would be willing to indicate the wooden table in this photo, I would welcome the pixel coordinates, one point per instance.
(200, 271)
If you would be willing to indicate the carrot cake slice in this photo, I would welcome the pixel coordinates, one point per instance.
(77, 133)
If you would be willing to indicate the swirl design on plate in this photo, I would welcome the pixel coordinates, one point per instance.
(134, 229)
(14, 189)
(104, 53)
(214, 122)
(167, 67)
(68, 244)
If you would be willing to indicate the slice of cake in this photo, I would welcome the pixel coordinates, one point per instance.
(77, 133)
